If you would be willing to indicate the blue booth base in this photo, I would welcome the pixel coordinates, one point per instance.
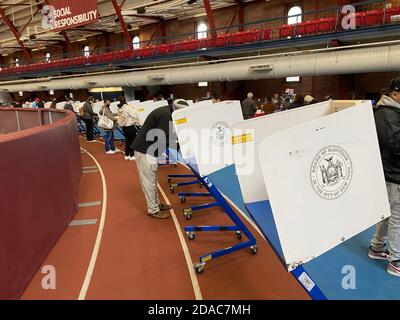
(330, 270)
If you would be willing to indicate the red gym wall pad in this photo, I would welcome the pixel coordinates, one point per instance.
(40, 171)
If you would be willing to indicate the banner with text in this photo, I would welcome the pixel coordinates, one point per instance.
(66, 14)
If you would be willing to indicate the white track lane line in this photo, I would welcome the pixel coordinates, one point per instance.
(188, 258)
(92, 263)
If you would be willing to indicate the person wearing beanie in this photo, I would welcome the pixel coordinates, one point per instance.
(150, 143)
(385, 244)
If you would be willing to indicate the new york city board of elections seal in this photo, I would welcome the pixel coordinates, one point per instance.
(331, 172)
(219, 133)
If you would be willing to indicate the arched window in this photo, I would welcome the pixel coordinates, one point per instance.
(202, 31)
(86, 51)
(48, 56)
(295, 15)
(136, 43)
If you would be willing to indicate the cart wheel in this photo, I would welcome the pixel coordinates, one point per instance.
(200, 185)
(169, 179)
(183, 199)
(239, 235)
(188, 216)
(199, 267)
(188, 213)
(254, 249)
(191, 235)
(172, 190)
(175, 165)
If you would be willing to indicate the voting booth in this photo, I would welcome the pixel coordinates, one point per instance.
(145, 108)
(204, 135)
(311, 178)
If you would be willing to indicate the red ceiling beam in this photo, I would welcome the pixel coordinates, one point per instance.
(30, 20)
(210, 17)
(16, 34)
(122, 22)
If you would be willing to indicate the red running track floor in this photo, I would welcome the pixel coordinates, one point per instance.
(142, 258)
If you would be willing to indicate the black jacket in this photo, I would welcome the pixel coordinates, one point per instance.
(387, 119)
(158, 119)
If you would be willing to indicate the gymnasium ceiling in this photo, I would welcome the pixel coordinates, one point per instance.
(26, 16)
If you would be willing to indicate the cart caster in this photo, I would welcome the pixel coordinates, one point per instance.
(254, 249)
(200, 186)
(169, 180)
(172, 188)
(175, 165)
(183, 199)
(239, 235)
(191, 235)
(199, 267)
(188, 213)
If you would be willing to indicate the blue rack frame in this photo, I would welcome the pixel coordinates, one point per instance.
(238, 226)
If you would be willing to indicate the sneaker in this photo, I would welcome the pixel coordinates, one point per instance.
(393, 268)
(132, 158)
(127, 158)
(110, 152)
(378, 253)
(164, 207)
(160, 215)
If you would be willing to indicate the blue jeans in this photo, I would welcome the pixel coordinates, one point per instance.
(109, 141)
(388, 231)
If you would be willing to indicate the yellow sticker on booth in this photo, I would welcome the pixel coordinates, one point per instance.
(208, 258)
(243, 138)
(141, 110)
(181, 121)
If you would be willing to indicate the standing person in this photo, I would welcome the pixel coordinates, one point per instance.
(109, 136)
(147, 150)
(249, 107)
(39, 103)
(298, 102)
(127, 119)
(88, 117)
(69, 105)
(387, 119)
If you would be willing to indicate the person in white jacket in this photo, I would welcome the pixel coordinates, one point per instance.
(127, 119)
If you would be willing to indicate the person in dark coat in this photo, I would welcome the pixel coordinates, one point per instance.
(385, 245)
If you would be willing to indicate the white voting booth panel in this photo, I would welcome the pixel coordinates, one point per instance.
(114, 107)
(97, 106)
(134, 102)
(250, 133)
(47, 105)
(77, 106)
(325, 182)
(60, 105)
(204, 134)
(145, 108)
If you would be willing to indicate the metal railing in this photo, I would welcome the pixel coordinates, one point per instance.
(155, 46)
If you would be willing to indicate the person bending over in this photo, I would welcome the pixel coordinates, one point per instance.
(150, 143)
(387, 119)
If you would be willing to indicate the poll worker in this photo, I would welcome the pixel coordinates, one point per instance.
(385, 245)
(127, 119)
(249, 107)
(150, 143)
